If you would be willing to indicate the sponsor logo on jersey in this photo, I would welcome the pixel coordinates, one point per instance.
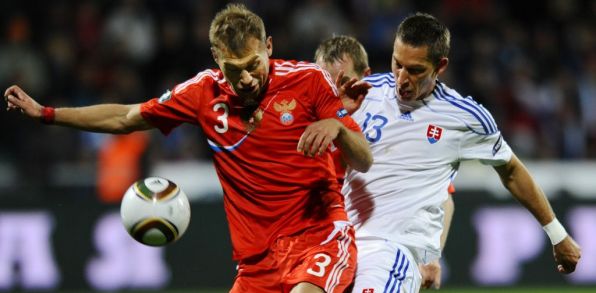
(497, 145)
(166, 96)
(406, 116)
(341, 113)
(285, 111)
(433, 133)
(368, 290)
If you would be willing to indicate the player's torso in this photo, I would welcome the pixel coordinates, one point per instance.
(269, 186)
(415, 153)
(417, 139)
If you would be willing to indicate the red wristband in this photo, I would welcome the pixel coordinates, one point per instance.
(47, 115)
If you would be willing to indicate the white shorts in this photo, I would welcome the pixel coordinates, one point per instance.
(385, 267)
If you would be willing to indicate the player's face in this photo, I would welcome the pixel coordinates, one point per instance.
(246, 72)
(415, 74)
(346, 64)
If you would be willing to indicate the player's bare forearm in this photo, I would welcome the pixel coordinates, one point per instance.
(108, 118)
(519, 182)
(354, 149)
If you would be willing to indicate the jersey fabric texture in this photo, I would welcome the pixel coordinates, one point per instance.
(417, 149)
(270, 189)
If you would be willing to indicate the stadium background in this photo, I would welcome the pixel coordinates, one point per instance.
(531, 63)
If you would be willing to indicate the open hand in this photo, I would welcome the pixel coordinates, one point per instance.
(351, 91)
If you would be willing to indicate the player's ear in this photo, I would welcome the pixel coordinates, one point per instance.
(269, 45)
(214, 55)
(442, 66)
(366, 72)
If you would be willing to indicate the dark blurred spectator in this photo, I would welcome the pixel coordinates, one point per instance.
(130, 31)
(313, 21)
(20, 60)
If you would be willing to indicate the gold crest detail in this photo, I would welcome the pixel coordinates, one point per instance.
(284, 106)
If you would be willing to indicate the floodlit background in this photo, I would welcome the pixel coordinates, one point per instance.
(531, 63)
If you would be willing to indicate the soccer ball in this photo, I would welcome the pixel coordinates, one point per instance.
(155, 211)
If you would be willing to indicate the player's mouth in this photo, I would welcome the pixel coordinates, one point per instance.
(405, 94)
(251, 90)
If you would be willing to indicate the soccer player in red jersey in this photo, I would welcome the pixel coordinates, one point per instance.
(270, 124)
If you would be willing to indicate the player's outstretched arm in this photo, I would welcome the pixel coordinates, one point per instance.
(519, 182)
(109, 118)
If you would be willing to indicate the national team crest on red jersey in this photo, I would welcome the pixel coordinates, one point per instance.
(433, 133)
(368, 290)
(285, 111)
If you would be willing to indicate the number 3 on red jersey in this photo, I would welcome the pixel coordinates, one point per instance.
(223, 117)
(323, 260)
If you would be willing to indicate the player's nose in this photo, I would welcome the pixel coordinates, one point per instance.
(245, 78)
(401, 78)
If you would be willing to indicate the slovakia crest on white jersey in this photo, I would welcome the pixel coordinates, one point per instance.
(433, 133)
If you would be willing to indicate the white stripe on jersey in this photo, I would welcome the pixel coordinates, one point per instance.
(285, 68)
(343, 243)
(196, 79)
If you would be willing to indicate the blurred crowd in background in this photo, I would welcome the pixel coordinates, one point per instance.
(531, 63)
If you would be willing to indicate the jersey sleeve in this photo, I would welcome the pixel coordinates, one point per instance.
(181, 105)
(487, 146)
(327, 103)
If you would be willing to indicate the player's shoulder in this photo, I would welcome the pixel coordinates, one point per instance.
(382, 87)
(293, 67)
(380, 80)
(466, 109)
(298, 72)
(204, 78)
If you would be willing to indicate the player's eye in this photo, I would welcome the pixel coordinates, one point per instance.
(252, 67)
(415, 71)
(397, 65)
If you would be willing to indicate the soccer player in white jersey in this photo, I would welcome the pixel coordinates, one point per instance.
(419, 130)
(345, 58)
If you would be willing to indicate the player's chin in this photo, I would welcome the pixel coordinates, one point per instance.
(405, 99)
(251, 94)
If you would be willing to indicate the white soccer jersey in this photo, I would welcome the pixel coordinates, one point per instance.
(417, 149)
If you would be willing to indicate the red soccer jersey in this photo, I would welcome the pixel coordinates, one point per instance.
(270, 189)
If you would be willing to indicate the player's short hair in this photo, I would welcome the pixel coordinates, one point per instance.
(233, 26)
(335, 48)
(423, 29)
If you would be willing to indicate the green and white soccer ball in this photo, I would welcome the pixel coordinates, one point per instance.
(155, 211)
